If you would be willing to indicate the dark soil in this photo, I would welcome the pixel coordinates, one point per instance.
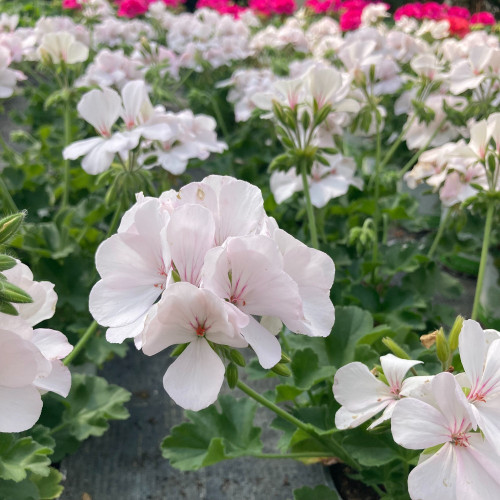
(350, 489)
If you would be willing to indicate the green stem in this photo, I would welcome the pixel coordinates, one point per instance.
(376, 215)
(416, 156)
(396, 143)
(81, 343)
(484, 258)
(9, 202)
(305, 454)
(309, 206)
(67, 140)
(437, 239)
(310, 429)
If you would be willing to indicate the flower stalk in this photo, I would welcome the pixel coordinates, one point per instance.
(484, 258)
(309, 207)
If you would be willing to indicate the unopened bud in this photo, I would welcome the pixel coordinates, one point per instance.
(442, 347)
(285, 358)
(237, 357)
(232, 375)
(12, 293)
(428, 340)
(395, 348)
(10, 225)
(281, 369)
(7, 308)
(455, 332)
(6, 262)
(179, 350)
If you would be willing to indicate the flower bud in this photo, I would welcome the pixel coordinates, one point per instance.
(10, 225)
(232, 375)
(6, 262)
(285, 358)
(442, 347)
(7, 308)
(281, 369)
(455, 332)
(237, 357)
(12, 293)
(395, 348)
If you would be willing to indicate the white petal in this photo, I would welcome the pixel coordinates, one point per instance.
(472, 346)
(58, 380)
(263, 342)
(356, 388)
(81, 148)
(195, 378)
(20, 408)
(52, 344)
(436, 477)
(100, 108)
(345, 419)
(396, 368)
(417, 425)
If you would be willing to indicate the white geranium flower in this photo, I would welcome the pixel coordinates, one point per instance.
(62, 47)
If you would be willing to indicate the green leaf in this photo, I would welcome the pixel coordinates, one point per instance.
(91, 403)
(18, 456)
(286, 392)
(306, 369)
(351, 324)
(211, 437)
(24, 490)
(49, 487)
(371, 449)
(320, 492)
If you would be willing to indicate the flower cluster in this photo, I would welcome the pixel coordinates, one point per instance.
(30, 359)
(168, 139)
(454, 418)
(224, 274)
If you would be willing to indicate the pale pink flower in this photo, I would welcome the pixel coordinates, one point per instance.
(362, 395)
(184, 314)
(42, 292)
(466, 467)
(29, 366)
(62, 47)
(481, 363)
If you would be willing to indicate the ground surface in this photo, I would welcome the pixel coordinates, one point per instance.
(126, 463)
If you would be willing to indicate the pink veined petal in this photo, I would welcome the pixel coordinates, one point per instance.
(52, 344)
(478, 470)
(452, 402)
(396, 368)
(490, 381)
(436, 477)
(487, 416)
(190, 234)
(20, 408)
(195, 378)
(58, 380)
(345, 419)
(472, 347)
(356, 388)
(134, 94)
(417, 425)
(263, 342)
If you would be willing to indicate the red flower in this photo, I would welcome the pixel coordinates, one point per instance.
(350, 20)
(132, 8)
(459, 12)
(72, 4)
(458, 26)
(409, 10)
(485, 18)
